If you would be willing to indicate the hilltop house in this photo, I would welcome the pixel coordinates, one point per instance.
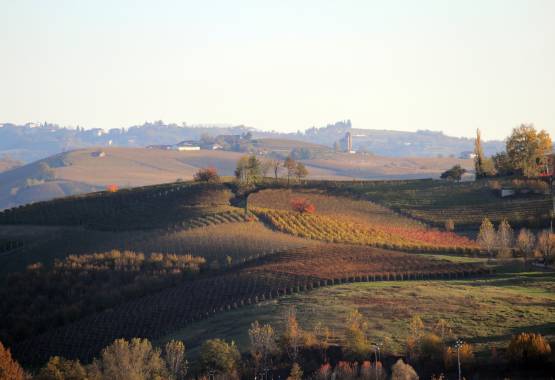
(187, 146)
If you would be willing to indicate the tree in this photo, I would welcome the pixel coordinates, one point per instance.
(302, 205)
(505, 238)
(176, 362)
(296, 372)
(466, 355)
(206, 175)
(134, 359)
(290, 165)
(454, 174)
(487, 236)
(402, 371)
(262, 343)
(219, 356)
(546, 245)
(502, 164)
(275, 164)
(449, 225)
(293, 335)
(528, 348)
(356, 339)
(479, 156)
(525, 243)
(9, 368)
(112, 188)
(59, 368)
(443, 329)
(527, 150)
(249, 170)
(300, 171)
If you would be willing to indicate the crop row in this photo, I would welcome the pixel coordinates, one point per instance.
(335, 230)
(273, 276)
(125, 209)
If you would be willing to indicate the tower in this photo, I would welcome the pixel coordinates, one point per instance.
(348, 142)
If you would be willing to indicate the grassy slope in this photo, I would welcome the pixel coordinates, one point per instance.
(486, 312)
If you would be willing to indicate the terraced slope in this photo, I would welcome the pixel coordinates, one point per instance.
(157, 315)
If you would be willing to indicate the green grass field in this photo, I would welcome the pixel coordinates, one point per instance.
(485, 312)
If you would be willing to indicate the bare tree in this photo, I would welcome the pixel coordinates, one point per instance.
(525, 244)
(293, 335)
(275, 165)
(546, 245)
(263, 343)
(505, 238)
(290, 165)
(487, 237)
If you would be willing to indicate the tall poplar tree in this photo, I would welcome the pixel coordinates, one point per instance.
(479, 156)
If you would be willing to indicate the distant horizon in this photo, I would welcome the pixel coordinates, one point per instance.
(231, 125)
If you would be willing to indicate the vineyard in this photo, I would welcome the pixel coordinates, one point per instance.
(337, 230)
(269, 277)
(434, 202)
(139, 208)
(238, 241)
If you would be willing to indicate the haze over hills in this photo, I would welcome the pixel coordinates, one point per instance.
(92, 169)
(31, 142)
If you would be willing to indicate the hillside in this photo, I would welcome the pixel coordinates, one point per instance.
(177, 259)
(92, 169)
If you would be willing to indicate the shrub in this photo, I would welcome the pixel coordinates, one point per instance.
(527, 348)
(324, 372)
(431, 348)
(59, 368)
(112, 188)
(296, 372)
(302, 205)
(220, 356)
(402, 371)
(206, 175)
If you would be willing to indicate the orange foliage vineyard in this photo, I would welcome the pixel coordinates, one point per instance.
(325, 228)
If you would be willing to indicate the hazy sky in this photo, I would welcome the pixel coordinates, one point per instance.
(285, 65)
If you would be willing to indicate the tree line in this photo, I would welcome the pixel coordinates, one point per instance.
(294, 353)
(526, 154)
(503, 242)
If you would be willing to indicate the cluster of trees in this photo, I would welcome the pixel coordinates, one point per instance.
(503, 242)
(251, 170)
(302, 353)
(525, 154)
(209, 174)
(44, 297)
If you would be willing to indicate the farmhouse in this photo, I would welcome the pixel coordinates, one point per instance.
(187, 146)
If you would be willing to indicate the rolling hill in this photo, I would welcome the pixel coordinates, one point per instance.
(92, 169)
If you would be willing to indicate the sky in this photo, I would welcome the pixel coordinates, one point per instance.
(450, 66)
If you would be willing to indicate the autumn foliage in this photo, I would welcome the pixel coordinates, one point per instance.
(112, 188)
(526, 348)
(207, 175)
(303, 205)
(9, 368)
